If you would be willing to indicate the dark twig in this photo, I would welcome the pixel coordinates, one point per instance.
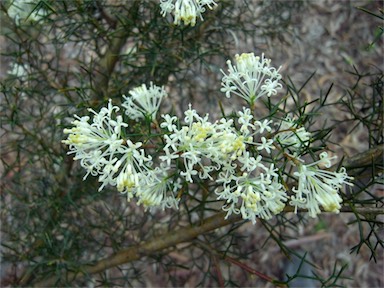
(108, 62)
(148, 248)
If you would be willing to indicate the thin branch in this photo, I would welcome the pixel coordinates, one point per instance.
(346, 209)
(168, 240)
(108, 62)
(148, 248)
(367, 158)
(238, 263)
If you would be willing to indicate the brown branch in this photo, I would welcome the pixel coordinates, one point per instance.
(171, 239)
(367, 158)
(346, 209)
(108, 62)
(148, 248)
(229, 259)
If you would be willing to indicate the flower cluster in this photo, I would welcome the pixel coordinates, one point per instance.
(291, 136)
(203, 146)
(144, 102)
(185, 11)
(235, 154)
(317, 187)
(251, 78)
(117, 161)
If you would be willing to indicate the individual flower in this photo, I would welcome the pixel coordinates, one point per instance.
(185, 10)
(245, 118)
(144, 102)
(260, 196)
(103, 152)
(96, 143)
(318, 187)
(265, 125)
(132, 165)
(266, 144)
(250, 78)
(158, 189)
(291, 136)
(169, 122)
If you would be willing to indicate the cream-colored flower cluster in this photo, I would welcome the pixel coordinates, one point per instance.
(239, 157)
(185, 11)
(251, 78)
(144, 102)
(104, 150)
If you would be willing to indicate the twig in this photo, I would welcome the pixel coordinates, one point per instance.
(148, 248)
(105, 66)
(346, 209)
(367, 158)
(295, 243)
(168, 240)
(108, 62)
(238, 263)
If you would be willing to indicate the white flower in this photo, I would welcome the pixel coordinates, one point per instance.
(318, 187)
(201, 145)
(133, 165)
(265, 144)
(249, 163)
(185, 10)
(189, 143)
(166, 7)
(144, 102)
(169, 122)
(95, 144)
(158, 189)
(250, 78)
(253, 196)
(245, 118)
(103, 152)
(264, 126)
(291, 136)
